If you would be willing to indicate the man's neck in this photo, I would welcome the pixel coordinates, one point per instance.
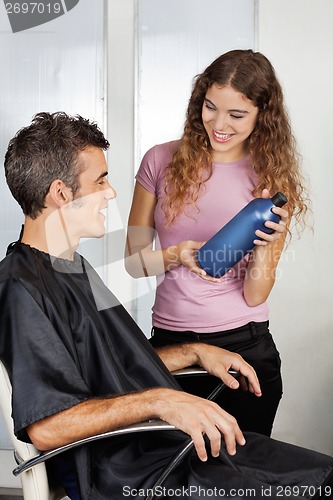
(49, 235)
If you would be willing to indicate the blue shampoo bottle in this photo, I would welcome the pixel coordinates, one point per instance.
(234, 240)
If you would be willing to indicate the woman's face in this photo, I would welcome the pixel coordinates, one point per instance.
(229, 118)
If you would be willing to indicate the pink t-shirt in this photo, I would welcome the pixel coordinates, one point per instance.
(183, 300)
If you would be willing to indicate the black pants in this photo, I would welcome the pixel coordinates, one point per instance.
(255, 343)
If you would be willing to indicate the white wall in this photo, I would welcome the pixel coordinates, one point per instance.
(297, 37)
(171, 50)
(120, 119)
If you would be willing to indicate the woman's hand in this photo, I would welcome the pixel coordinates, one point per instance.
(261, 271)
(187, 255)
(279, 228)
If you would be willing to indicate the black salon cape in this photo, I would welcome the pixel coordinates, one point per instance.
(65, 338)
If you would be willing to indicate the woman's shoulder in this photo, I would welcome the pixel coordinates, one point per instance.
(162, 153)
(155, 161)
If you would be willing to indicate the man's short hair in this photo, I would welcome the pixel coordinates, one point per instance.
(46, 150)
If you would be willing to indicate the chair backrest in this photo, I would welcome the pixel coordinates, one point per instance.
(34, 481)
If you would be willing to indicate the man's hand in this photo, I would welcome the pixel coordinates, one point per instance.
(199, 417)
(218, 361)
(215, 360)
(196, 416)
(193, 415)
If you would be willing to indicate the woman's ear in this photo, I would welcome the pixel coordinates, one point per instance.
(59, 194)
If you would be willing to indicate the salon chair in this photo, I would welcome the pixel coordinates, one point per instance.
(31, 463)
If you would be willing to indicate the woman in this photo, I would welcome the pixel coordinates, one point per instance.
(237, 144)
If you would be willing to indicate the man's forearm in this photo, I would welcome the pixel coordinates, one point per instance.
(215, 360)
(92, 417)
(179, 356)
(193, 415)
(96, 416)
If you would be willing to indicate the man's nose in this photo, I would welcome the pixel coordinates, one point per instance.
(110, 192)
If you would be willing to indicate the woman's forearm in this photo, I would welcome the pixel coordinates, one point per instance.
(261, 272)
(146, 261)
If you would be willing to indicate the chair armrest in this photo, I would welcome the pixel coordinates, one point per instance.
(191, 370)
(197, 370)
(150, 425)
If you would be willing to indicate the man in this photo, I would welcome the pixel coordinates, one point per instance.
(79, 364)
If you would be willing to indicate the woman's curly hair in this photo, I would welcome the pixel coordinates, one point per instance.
(271, 145)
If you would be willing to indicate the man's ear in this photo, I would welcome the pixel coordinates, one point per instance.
(59, 194)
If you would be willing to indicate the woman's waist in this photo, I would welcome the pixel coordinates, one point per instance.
(247, 332)
(210, 315)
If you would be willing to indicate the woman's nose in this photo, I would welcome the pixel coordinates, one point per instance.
(221, 122)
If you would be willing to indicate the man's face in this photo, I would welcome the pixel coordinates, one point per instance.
(83, 216)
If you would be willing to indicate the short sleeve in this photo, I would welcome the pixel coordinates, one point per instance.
(43, 383)
(151, 172)
(147, 173)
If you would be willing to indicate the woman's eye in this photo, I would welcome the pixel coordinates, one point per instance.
(208, 106)
(236, 116)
